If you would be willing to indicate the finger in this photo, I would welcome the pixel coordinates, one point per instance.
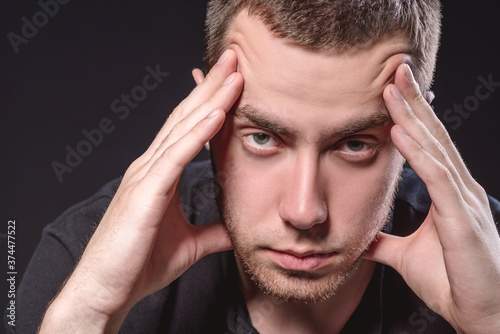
(403, 114)
(212, 238)
(165, 171)
(429, 96)
(405, 80)
(202, 93)
(205, 90)
(417, 258)
(198, 75)
(448, 200)
(223, 99)
(386, 249)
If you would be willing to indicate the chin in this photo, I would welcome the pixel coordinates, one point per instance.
(297, 286)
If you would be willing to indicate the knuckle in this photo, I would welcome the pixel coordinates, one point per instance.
(412, 117)
(178, 128)
(127, 194)
(185, 106)
(442, 150)
(213, 76)
(418, 97)
(443, 173)
(480, 192)
(179, 111)
(441, 133)
(132, 191)
(139, 162)
(172, 156)
(135, 167)
(199, 132)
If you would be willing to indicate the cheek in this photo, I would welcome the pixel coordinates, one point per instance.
(250, 185)
(361, 197)
(253, 186)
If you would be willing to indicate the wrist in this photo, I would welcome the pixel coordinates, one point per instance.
(63, 317)
(71, 313)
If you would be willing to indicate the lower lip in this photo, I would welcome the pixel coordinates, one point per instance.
(307, 263)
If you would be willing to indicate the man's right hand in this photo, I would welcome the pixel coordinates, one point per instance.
(144, 240)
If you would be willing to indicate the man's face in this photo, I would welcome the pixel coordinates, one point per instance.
(307, 164)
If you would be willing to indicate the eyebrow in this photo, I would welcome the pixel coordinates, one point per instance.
(377, 119)
(263, 121)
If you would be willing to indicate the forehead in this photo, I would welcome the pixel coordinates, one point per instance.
(281, 76)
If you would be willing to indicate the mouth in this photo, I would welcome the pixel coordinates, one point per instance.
(306, 261)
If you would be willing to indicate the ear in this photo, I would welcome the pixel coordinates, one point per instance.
(429, 96)
(198, 75)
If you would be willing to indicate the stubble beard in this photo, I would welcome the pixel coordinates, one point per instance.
(301, 286)
(296, 286)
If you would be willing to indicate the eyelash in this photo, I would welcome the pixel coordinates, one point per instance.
(366, 153)
(260, 150)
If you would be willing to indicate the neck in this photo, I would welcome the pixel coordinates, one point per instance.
(270, 315)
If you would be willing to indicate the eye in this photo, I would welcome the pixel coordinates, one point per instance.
(260, 139)
(355, 145)
(260, 143)
(355, 151)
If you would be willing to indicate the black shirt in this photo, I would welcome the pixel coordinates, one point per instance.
(206, 298)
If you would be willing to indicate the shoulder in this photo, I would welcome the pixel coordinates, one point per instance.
(75, 225)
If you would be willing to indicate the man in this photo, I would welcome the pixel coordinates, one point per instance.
(311, 110)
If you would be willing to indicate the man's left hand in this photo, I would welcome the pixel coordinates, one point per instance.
(452, 262)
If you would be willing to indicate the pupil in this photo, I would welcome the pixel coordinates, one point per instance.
(355, 146)
(261, 138)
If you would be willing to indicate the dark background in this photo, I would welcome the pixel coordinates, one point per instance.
(65, 78)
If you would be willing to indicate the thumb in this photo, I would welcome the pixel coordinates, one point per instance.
(212, 238)
(386, 249)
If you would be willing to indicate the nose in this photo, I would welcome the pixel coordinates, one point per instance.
(303, 204)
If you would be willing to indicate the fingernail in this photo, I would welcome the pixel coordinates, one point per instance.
(223, 57)
(409, 74)
(430, 96)
(228, 80)
(397, 93)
